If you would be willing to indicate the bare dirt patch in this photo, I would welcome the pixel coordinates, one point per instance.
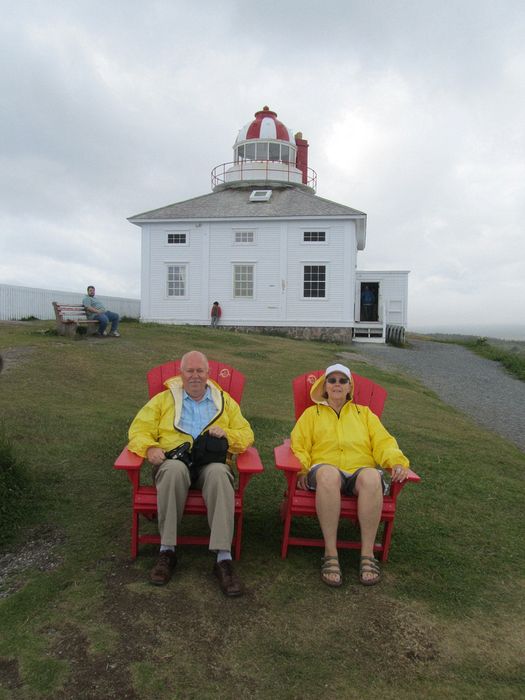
(11, 357)
(38, 551)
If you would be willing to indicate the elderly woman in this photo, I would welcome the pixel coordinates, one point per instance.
(339, 445)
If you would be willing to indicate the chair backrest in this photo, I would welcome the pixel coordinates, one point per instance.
(366, 392)
(226, 377)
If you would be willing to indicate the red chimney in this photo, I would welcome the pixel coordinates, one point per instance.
(301, 162)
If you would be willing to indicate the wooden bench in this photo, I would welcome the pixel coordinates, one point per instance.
(72, 316)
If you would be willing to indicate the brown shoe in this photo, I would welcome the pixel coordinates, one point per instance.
(163, 569)
(228, 581)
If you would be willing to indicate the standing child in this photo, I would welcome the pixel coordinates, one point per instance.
(215, 314)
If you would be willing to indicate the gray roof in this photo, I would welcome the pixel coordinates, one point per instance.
(234, 203)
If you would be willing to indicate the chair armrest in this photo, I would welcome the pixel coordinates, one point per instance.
(285, 458)
(411, 476)
(128, 460)
(249, 462)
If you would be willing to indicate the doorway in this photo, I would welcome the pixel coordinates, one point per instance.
(369, 296)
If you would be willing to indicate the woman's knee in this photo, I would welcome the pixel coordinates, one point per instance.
(328, 476)
(369, 479)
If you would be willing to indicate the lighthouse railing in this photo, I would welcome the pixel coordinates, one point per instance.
(260, 170)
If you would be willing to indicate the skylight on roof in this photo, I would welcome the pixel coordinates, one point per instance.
(260, 195)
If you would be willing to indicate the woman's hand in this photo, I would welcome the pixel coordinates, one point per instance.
(399, 473)
(301, 482)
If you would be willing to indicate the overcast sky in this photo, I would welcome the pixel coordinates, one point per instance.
(414, 111)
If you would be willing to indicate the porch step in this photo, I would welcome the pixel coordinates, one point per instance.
(368, 334)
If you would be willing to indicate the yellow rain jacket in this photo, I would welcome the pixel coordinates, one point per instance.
(355, 438)
(156, 424)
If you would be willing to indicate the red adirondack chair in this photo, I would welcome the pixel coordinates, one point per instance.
(144, 497)
(302, 503)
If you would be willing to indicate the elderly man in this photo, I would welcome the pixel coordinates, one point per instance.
(193, 412)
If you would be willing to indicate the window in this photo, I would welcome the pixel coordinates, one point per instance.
(314, 281)
(262, 150)
(314, 237)
(265, 150)
(177, 238)
(244, 237)
(243, 281)
(176, 281)
(260, 195)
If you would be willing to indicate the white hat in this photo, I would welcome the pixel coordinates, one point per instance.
(338, 368)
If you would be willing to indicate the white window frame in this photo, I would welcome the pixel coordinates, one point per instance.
(244, 263)
(315, 263)
(184, 266)
(184, 232)
(309, 243)
(239, 231)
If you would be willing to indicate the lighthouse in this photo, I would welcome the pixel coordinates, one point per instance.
(266, 153)
(276, 256)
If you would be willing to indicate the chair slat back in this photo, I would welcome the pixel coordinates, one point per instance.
(228, 378)
(366, 392)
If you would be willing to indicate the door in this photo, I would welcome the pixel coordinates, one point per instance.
(369, 302)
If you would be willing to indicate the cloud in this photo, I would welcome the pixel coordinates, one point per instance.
(413, 111)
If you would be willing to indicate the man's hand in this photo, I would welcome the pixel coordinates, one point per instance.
(399, 473)
(155, 456)
(216, 431)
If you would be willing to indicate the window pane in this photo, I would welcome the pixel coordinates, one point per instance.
(262, 150)
(249, 151)
(314, 236)
(243, 281)
(274, 151)
(285, 154)
(176, 286)
(243, 236)
(176, 238)
(314, 284)
(240, 153)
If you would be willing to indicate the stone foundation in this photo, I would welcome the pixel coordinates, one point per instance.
(322, 333)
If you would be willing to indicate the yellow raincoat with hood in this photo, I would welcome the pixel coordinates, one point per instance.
(353, 439)
(157, 423)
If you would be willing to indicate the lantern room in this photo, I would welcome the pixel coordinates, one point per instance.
(266, 153)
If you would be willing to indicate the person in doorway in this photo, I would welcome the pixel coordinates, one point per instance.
(339, 445)
(95, 309)
(216, 313)
(192, 416)
(368, 300)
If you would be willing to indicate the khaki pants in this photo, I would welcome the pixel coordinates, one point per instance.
(172, 481)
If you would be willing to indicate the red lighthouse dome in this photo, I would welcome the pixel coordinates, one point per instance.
(265, 126)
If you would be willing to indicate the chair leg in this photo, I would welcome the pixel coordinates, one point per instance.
(134, 535)
(286, 526)
(387, 539)
(238, 537)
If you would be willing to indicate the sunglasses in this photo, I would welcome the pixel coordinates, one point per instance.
(335, 380)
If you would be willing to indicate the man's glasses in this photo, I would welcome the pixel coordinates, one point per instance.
(335, 380)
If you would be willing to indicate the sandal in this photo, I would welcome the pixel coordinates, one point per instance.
(369, 565)
(330, 565)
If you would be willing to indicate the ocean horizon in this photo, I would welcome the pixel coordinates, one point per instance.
(502, 331)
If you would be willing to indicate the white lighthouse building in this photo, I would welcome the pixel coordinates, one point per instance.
(275, 255)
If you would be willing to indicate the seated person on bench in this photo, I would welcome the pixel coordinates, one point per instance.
(95, 310)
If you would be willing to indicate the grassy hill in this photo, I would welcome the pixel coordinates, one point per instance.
(78, 618)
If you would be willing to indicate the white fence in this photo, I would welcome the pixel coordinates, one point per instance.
(21, 302)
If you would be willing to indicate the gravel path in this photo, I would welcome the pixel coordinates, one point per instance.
(480, 388)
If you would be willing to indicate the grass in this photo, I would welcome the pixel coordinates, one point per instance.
(447, 619)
